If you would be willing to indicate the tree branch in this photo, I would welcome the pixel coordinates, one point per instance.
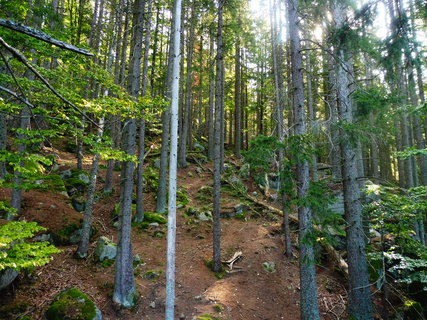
(19, 27)
(18, 55)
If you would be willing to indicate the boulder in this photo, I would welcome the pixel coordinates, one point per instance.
(105, 249)
(72, 304)
(79, 204)
(7, 276)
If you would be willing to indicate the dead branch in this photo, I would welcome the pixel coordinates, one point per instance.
(19, 27)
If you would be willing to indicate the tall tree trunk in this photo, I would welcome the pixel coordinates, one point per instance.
(237, 99)
(211, 98)
(170, 274)
(219, 116)
(278, 77)
(188, 92)
(124, 286)
(308, 294)
(359, 294)
(140, 170)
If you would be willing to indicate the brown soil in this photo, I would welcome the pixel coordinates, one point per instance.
(247, 293)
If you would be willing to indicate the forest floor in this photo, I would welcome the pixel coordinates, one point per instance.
(249, 292)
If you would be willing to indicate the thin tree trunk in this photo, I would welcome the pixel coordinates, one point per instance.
(182, 161)
(211, 99)
(170, 273)
(237, 99)
(277, 70)
(140, 170)
(90, 195)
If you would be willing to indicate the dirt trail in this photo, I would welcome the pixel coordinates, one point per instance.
(249, 293)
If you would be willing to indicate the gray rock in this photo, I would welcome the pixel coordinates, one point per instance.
(84, 177)
(198, 298)
(7, 276)
(240, 208)
(105, 249)
(43, 237)
(204, 216)
(182, 316)
(66, 174)
(78, 204)
(198, 170)
(75, 236)
(150, 275)
(153, 304)
(153, 225)
(269, 266)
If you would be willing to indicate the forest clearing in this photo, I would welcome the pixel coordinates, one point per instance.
(213, 160)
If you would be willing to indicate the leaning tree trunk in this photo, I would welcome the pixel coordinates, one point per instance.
(359, 294)
(308, 294)
(90, 196)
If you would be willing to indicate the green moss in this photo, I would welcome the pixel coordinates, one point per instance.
(63, 236)
(54, 182)
(218, 308)
(71, 304)
(9, 310)
(154, 217)
(205, 193)
(207, 316)
(182, 197)
(152, 274)
(218, 275)
(106, 263)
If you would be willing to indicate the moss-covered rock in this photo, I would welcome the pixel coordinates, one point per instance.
(72, 304)
(69, 234)
(105, 249)
(75, 179)
(11, 310)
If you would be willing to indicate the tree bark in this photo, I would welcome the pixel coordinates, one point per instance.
(219, 116)
(237, 99)
(359, 294)
(170, 274)
(182, 161)
(140, 170)
(308, 294)
(124, 286)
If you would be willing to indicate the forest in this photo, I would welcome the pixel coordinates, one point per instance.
(213, 160)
